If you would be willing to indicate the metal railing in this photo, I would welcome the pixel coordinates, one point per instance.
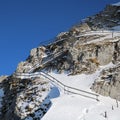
(70, 89)
(66, 88)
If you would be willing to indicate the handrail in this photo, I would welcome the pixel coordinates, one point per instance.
(60, 84)
(82, 95)
(69, 86)
(54, 79)
(110, 32)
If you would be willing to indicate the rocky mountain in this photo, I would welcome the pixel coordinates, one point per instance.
(84, 49)
(106, 19)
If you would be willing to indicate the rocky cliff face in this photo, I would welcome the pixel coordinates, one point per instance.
(108, 83)
(22, 97)
(87, 49)
(83, 49)
(107, 18)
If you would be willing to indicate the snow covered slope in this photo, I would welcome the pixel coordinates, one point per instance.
(74, 107)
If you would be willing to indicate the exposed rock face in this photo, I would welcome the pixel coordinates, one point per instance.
(36, 56)
(83, 27)
(107, 18)
(86, 57)
(85, 51)
(108, 83)
(23, 97)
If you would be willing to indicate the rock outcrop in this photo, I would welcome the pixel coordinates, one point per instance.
(86, 50)
(106, 19)
(2, 78)
(36, 56)
(22, 97)
(108, 83)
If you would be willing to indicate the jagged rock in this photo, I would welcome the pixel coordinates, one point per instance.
(23, 67)
(83, 27)
(23, 97)
(106, 19)
(62, 35)
(108, 83)
(81, 48)
(36, 56)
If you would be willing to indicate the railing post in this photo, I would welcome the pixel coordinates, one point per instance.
(67, 90)
(97, 98)
(112, 34)
(64, 89)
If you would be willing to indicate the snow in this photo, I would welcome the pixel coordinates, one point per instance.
(74, 107)
(78, 81)
(81, 81)
(67, 107)
(54, 93)
(116, 4)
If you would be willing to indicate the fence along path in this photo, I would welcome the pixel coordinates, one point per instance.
(66, 88)
(70, 89)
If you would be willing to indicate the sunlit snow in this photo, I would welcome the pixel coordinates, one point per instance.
(74, 107)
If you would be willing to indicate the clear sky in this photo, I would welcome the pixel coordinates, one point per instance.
(25, 23)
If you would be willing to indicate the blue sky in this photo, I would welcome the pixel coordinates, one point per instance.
(25, 23)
